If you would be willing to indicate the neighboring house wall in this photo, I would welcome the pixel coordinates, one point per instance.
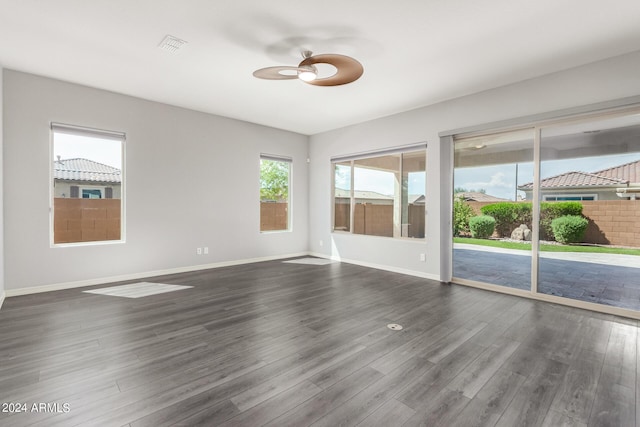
(599, 193)
(177, 162)
(62, 189)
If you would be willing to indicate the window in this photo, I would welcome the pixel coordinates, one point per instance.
(87, 182)
(381, 194)
(567, 198)
(88, 193)
(275, 182)
(342, 196)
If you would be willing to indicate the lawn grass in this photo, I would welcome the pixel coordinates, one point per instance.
(546, 248)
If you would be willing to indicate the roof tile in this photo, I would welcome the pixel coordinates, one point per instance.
(576, 179)
(629, 172)
(85, 170)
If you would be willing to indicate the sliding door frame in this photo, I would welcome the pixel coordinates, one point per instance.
(538, 122)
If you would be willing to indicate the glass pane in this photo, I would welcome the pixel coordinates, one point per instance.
(491, 219)
(377, 195)
(590, 211)
(274, 195)
(342, 196)
(87, 188)
(91, 194)
(413, 193)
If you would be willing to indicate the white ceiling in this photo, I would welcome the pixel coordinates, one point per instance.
(415, 52)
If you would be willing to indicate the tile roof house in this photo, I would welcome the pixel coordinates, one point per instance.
(617, 182)
(629, 172)
(476, 196)
(84, 178)
(373, 197)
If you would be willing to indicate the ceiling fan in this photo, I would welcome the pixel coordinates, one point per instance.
(348, 70)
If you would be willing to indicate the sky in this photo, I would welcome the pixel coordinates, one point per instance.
(105, 151)
(499, 180)
(379, 181)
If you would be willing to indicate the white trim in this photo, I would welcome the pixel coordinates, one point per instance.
(381, 152)
(379, 266)
(397, 196)
(2, 297)
(289, 162)
(87, 131)
(447, 155)
(535, 210)
(276, 158)
(148, 274)
(568, 114)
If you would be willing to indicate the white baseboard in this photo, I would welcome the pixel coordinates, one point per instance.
(2, 296)
(147, 274)
(379, 266)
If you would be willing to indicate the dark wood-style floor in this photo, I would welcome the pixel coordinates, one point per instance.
(294, 345)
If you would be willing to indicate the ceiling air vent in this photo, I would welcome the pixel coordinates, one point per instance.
(171, 43)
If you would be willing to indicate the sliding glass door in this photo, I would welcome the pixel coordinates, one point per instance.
(492, 223)
(589, 197)
(552, 210)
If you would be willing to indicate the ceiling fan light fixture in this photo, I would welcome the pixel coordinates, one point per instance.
(348, 70)
(307, 73)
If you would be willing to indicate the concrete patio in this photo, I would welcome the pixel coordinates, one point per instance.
(608, 279)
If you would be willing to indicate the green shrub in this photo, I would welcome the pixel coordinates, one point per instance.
(508, 216)
(552, 210)
(482, 226)
(461, 214)
(569, 228)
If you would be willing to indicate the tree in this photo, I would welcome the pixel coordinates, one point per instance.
(462, 213)
(460, 190)
(464, 190)
(274, 180)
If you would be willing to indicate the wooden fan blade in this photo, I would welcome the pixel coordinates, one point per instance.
(349, 70)
(275, 73)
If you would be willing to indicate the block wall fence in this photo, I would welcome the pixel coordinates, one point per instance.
(611, 222)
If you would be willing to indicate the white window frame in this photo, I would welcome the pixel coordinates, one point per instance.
(283, 159)
(351, 158)
(91, 133)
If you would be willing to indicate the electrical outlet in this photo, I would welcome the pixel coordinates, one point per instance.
(199, 251)
(321, 243)
(206, 250)
(423, 257)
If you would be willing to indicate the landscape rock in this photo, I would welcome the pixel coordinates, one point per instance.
(521, 233)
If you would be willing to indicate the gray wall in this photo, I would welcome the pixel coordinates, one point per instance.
(601, 81)
(199, 159)
(191, 180)
(1, 194)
